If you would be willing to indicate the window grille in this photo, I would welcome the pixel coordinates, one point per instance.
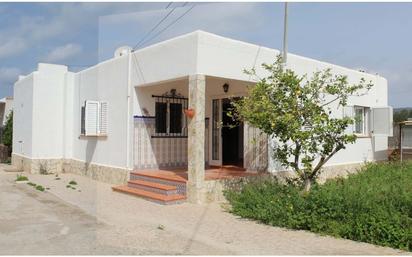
(169, 118)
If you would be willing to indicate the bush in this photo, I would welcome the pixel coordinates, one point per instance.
(373, 206)
(21, 178)
(7, 137)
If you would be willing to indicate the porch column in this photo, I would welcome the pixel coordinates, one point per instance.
(196, 140)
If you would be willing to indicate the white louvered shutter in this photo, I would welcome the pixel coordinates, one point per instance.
(382, 121)
(91, 118)
(103, 118)
(349, 111)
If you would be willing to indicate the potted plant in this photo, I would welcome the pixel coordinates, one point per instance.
(190, 112)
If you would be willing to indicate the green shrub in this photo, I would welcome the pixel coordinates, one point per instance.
(8, 131)
(21, 178)
(40, 188)
(373, 206)
(73, 183)
(31, 184)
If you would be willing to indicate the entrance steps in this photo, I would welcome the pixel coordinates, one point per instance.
(156, 187)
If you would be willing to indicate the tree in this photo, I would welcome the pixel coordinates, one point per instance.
(296, 113)
(8, 131)
(402, 115)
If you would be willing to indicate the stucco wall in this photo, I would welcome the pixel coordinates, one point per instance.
(48, 102)
(108, 82)
(23, 116)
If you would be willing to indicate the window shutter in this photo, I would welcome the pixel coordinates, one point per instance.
(348, 111)
(91, 118)
(382, 121)
(103, 118)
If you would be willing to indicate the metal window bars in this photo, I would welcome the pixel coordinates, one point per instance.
(170, 115)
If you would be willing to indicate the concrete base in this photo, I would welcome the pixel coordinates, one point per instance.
(101, 173)
(37, 166)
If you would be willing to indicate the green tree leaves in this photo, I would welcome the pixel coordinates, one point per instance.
(296, 112)
(8, 131)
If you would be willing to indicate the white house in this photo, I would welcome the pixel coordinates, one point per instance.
(6, 106)
(126, 114)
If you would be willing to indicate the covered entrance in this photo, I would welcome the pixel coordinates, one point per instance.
(178, 156)
(232, 136)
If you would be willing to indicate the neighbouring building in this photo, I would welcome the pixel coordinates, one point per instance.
(162, 107)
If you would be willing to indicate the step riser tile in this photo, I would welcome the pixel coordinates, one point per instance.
(181, 187)
(171, 202)
(152, 189)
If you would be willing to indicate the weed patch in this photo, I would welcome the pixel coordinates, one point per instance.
(20, 177)
(373, 206)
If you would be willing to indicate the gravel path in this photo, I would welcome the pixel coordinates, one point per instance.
(92, 219)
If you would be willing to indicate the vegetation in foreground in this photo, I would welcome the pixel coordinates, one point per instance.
(373, 206)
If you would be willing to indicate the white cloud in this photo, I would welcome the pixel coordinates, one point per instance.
(8, 75)
(63, 52)
(11, 47)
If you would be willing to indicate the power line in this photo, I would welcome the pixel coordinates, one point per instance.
(170, 3)
(170, 24)
(157, 25)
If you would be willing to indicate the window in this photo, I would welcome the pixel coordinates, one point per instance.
(161, 117)
(94, 118)
(361, 120)
(169, 118)
(175, 118)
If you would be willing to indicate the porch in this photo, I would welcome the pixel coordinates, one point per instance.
(169, 186)
(176, 155)
(211, 173)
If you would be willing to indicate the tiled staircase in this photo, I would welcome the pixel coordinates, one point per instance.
(155, 187)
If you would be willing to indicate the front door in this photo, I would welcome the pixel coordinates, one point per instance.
(232, 137)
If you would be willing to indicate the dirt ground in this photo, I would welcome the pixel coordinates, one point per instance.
(92, 219)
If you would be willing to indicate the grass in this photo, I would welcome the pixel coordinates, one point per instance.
(73, 183)
(40, 188)
(31, 184)
(20, 177)
(373, 206)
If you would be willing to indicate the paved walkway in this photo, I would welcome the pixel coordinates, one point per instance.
(92, 219)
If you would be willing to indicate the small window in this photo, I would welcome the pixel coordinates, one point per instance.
(94, 118)
(169, 118)
(361, 120)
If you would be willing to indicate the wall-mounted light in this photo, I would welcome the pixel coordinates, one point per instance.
(225, 87)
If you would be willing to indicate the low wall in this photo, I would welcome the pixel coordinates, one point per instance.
(214, 188)
(111, 175)
(36, 166)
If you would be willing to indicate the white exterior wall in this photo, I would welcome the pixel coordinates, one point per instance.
(48, 102)
(39, 105)
(108, 82)
(23, 116)
(222, 57)
(48, 105)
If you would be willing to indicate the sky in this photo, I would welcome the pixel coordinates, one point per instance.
(375, 37)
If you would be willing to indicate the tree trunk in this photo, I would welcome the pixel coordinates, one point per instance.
(307, 184)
